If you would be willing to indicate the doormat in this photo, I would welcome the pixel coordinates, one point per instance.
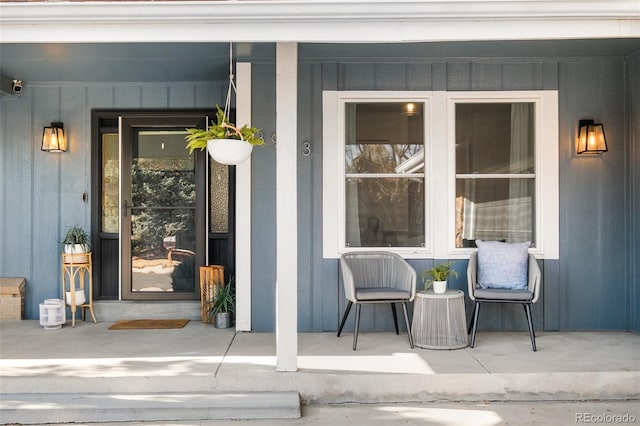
(148, 324)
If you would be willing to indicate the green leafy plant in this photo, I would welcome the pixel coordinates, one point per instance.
(221, 129)
(76, 235)
(439, 272)
(224, 299)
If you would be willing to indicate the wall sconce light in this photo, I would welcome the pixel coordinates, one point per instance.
(410, 109)
(53, 139)
(591, 138)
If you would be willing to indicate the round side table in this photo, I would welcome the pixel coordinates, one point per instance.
(439, 320)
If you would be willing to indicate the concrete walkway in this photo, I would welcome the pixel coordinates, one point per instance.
(200, 359)
(464, 413)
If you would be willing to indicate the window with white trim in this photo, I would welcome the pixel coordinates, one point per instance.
(428, 182)
(384, 174)
(495, 172)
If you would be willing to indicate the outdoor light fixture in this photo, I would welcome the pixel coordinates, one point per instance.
(591, 138)
(53, 139)
(410, 109)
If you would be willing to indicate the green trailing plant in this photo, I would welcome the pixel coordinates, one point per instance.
(440, 272)
(76, 235)
(221, 129)
(224, 299)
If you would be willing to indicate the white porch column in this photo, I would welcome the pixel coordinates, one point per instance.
(243, 205)
(286, 207)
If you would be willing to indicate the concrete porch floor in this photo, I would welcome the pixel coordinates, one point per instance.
(200, 359)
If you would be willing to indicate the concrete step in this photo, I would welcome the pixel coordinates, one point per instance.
(114, 310)
(112, 407)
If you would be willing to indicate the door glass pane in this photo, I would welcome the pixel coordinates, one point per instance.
(385, 212)
(494, 209)
(494, 138)
(163, 213)
(110, 183)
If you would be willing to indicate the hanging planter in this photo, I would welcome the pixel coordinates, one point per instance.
(226, 143)
(229, 151)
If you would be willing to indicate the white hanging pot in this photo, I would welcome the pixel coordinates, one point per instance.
(229, 151)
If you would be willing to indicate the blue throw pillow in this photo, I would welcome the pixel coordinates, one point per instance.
(503, 265)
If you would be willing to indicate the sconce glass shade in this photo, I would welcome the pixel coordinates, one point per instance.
(410, 109)
(53, 139)
(591, 138)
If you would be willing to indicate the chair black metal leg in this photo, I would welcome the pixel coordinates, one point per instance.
(406, 320)
(527, 312)
(355, 334)
(395, 317)
(344, 317)
(476, 313)
(472, 320)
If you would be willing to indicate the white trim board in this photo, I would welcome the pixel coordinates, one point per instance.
(243, 205)
(286, 207)
(318, 20)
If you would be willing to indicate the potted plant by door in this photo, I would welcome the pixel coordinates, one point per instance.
(439, 275)
(76, 241)
(226, 143)
(222, 306)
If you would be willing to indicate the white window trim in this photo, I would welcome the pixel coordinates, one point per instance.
(333, 175)
(546, 167)
(440, 168)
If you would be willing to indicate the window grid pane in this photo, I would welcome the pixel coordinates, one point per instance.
(385, 212)
(384, 175)
(495, 173)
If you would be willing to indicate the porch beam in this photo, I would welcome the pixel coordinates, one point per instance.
(286, 207)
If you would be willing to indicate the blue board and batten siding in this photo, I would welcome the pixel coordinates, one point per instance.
(634, 191)
(581, 290)
(42, 192)
(594, 284)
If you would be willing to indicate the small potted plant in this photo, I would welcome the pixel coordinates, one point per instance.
(439, 275)
(76, 240)
(222, 306)
(226, 143)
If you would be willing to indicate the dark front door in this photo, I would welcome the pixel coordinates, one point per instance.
(158, 212)
(162, 214)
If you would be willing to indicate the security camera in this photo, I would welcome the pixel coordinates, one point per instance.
(17, 87)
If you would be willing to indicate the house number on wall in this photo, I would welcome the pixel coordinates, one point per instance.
(306, 148)
(306, 145)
